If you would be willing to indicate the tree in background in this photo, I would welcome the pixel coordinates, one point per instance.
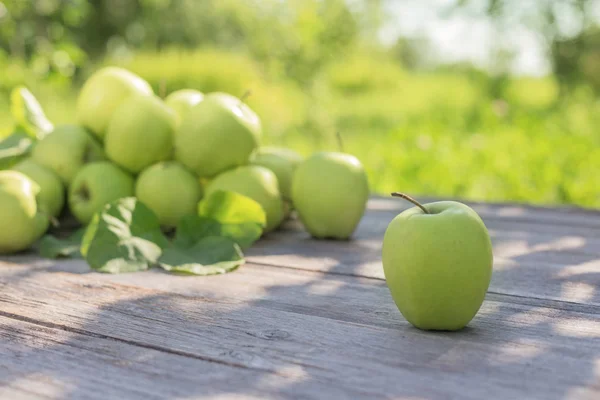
(568, 27)
(292, 37)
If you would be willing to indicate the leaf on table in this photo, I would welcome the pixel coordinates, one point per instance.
(14, 148)
(53, 247)
(28, 113)
(124, 237)
(209, 256)
(224, 213)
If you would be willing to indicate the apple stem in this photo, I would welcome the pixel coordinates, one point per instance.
(162, 88)
(408, 198)
(246, 94)
(340, 141)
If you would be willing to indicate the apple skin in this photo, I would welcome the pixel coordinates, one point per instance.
(103, 93)
(438, 266)
(330, 192)
(182, 101)
(140, 133)
(170, 190)
(283, 163)
(52, 191)
(256, 182)
(21, 220)
(96, 185)
(65, 150)
(217, 134)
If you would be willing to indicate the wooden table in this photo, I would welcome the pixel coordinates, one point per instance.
(310, 319)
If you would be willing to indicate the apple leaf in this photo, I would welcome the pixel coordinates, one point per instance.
(52, 247)
(14, 148)
(209, 256)
(232, 208)
(124, 237)
(223, 213)
(28, 113)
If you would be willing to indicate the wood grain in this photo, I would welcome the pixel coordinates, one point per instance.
(41, 361)
(510, 350)
(310, 319)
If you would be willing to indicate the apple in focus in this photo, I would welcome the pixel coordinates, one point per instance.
(438, 264)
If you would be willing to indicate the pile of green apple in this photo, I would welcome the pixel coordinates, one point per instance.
(168, 154)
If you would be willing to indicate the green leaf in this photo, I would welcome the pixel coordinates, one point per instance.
(232, 208)
(14, 148)
(211, 255)
(53, 247)
(28, 113)
(124, 237)
(225, 214)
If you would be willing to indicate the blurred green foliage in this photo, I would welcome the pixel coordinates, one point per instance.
(313, 69)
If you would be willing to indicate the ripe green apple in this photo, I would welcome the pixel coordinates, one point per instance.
(96, 185)
(217, 134)
(65, 150)
(283, 163)
(256, 182)
(21, 220)
(437, 264)
(140, 133)
(52, 191)
(103, 93)
(170, 190)
(182, 101)
(330, 192)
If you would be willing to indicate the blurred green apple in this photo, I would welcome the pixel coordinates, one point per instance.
(140, 133)
(330, 192)
(217, 134)
(96, 185)
(21, 220)
(256, 182)
(182, 101)
(437, 260)
(283, 163)
(103, 93)
(52, 191)
(65, 150)
(170, 190)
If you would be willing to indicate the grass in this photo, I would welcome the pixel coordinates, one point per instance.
(435, 134)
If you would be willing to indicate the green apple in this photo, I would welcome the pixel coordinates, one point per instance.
(217, 134)
(256, 182)
(282, 162)
(65, 150)
(170, 190)
(437, 260)
(52, 191)
(21, 220)
(140, 133)
(330, 192)
(96, 185)
(182, 101)
(102, 95)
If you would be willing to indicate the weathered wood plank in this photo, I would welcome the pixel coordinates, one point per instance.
(511, 350)
(42, 362)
